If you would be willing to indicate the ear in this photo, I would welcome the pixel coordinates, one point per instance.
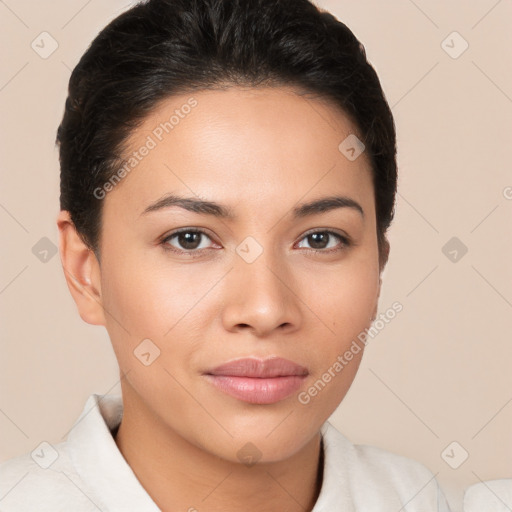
(383, 259)
(383, 254)
(81, 270)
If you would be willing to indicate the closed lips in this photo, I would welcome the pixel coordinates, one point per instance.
(260, 369)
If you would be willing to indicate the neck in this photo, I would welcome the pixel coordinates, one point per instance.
(179, 475)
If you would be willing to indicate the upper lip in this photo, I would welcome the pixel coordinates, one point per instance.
(258, 368)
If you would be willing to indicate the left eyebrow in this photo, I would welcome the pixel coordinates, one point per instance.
(325, 204)
(204, 207)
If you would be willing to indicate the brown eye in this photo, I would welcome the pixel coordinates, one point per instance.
(326, 241)
(186, 240)
(318, 240)
(189, 239)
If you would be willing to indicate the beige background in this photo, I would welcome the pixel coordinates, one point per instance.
(439, 372)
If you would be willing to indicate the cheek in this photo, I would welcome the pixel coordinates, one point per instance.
(136, 307)
(345, 299)
(345, 305)
(148, 297)
(356, 300)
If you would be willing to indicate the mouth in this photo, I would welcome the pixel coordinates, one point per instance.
(258, 381)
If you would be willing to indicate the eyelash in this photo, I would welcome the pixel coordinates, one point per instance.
(194, 253)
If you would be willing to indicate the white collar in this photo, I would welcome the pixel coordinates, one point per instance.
(94, 452)
(354, 477)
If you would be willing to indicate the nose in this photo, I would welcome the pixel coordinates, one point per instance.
(261, 297)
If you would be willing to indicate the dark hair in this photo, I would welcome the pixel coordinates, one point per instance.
(160, 48)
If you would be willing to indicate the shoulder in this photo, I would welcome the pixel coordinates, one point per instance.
(382, 465)
(377, 476)
(489, 496)
(42, 480)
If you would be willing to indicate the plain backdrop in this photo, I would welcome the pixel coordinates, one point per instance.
(435, 383)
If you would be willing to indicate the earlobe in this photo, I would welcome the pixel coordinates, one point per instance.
(81, 271)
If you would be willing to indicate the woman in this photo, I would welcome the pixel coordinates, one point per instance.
(228, 175)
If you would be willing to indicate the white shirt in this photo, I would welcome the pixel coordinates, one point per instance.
(489, 496)
(87, 472)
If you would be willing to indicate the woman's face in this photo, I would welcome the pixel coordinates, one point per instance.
(245, 285)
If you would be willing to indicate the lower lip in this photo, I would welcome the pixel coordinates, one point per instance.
(255, 390)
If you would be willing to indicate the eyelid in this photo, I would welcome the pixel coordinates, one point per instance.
(195, 253)
(344, 238)
(340, 233)
(172, 234)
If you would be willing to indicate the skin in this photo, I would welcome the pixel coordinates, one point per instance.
(260, 152)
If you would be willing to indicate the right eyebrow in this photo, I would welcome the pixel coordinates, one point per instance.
(191, 204)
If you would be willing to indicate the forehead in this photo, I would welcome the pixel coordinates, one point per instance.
(258, 148)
